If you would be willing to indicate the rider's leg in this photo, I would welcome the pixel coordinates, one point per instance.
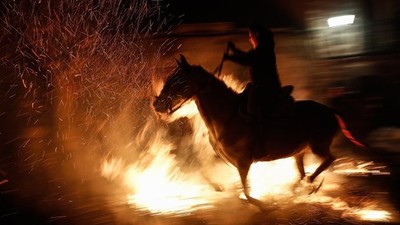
(251, 101)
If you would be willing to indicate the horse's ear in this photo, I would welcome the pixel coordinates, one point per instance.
(177, 62)
(183, 60)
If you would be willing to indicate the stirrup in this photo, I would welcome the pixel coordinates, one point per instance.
(287, 90)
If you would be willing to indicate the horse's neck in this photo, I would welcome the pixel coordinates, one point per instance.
(216, 104)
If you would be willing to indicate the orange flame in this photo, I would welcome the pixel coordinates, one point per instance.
(156, 183)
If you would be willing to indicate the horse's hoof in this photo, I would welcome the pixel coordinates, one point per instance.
(308, 179)
(302, 187)
(316, 189)
(218, 187)
(259, 204)
(306, 187)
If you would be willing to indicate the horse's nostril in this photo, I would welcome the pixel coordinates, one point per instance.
(158, 105)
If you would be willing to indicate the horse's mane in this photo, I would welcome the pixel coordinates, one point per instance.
(218, 82)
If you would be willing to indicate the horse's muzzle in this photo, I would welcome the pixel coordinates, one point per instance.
(160, 106)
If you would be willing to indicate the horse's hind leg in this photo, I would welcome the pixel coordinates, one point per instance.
(323, 151)
(325, 164)
(243, 169)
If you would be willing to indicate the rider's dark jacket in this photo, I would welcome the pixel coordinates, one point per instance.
(263, 69)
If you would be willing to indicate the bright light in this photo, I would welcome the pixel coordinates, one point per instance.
(374, 215)
(341, 20)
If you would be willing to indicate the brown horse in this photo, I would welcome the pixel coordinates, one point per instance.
(240, 143)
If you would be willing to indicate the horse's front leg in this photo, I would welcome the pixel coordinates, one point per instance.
(300, 164)
(243, 168)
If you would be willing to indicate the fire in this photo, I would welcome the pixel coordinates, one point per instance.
(374, 215)
(161, 187)
(157, 183)
(272, 178)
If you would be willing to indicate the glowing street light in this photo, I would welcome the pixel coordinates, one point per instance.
(340, 20)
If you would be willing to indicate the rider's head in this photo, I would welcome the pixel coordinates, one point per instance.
(260, 34)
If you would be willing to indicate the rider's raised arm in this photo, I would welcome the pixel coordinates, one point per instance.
(241, 57)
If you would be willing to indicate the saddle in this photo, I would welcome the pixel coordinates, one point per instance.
(279, 107)
(285, 101)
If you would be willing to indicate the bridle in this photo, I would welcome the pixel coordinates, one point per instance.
(172, 109)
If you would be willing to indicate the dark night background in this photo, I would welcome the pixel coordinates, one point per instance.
(284, 13)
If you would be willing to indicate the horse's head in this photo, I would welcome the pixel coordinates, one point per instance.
(179, 87)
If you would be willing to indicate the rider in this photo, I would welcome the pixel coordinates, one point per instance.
(265, 84)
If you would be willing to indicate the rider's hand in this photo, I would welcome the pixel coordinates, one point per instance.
(226, 56)
(231, 45)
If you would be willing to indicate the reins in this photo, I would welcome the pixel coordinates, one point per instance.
(171, 110)
(219, 68)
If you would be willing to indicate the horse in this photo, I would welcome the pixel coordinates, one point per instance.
(233, 138)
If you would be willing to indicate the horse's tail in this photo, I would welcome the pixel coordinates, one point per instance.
(347, 133)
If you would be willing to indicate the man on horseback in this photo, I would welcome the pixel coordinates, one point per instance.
(313, 125)
(265, 85)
